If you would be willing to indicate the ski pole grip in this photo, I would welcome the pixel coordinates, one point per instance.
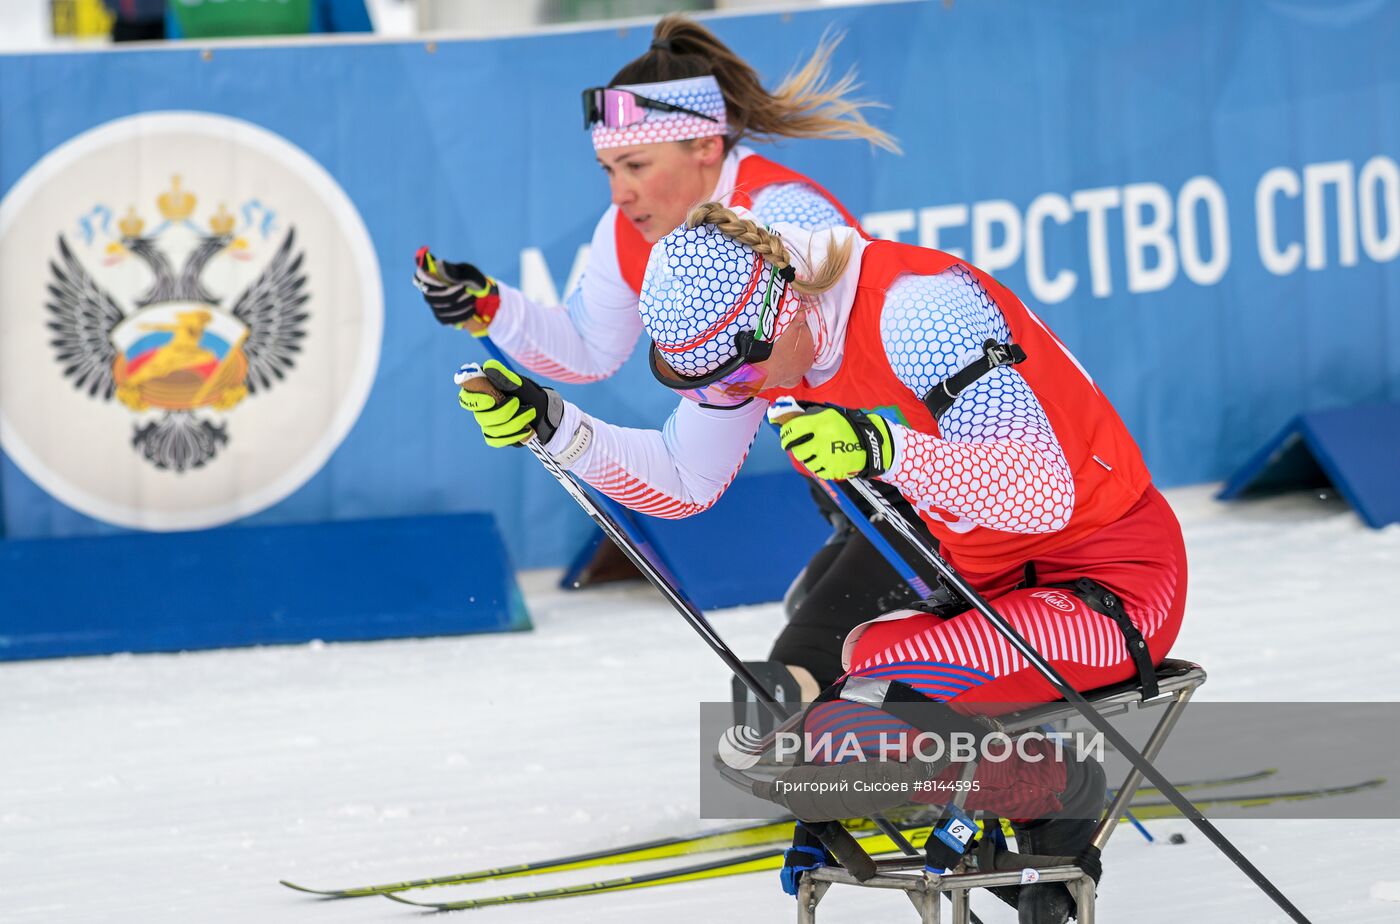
(429, 264)
(472, 378)
(783, 410)
(844, 848)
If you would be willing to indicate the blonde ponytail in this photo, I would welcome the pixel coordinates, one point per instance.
(808, 103)
(771, 248)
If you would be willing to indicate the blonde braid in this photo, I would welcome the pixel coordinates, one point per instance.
(770, 246)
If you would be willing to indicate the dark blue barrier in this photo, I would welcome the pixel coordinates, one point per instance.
(747, 548)
(1355, 450)
(350, 581)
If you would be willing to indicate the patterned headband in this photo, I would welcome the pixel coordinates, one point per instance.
(701, 94)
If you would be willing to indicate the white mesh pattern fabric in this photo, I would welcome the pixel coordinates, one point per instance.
(932, 326)
(798, 204)
(701, 94)
(693, 293)
(998, 463)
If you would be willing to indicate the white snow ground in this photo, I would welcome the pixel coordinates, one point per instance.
(180, 788)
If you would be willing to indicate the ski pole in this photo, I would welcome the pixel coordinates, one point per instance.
(872, 535)
(473, 379)
(886, 511)
(1141, 828)
(832, 834)
(881, 544)
(1127, 812)
(431, 265)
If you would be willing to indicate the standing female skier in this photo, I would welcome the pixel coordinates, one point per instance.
(667, 132)
(935, 379)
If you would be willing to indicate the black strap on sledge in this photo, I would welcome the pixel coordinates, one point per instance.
(941, 396)
(1105, 602)
(1102, 600)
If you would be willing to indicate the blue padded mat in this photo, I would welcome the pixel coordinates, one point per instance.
(1356, 450)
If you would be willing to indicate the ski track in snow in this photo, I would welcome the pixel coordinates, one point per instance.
(180, 788)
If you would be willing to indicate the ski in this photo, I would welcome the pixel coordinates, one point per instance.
(759, 861)
(1215, 782)
(746, 835)
(752, 863)
(874, 844)
(1152, 810)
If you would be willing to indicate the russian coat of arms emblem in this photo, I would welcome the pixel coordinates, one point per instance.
(179, 347)
(190, 321)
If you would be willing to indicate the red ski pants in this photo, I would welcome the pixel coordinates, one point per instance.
(963, 660)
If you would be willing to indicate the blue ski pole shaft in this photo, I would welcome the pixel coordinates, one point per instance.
(881, 544)
(1141, 828)
(867, 529)
(496, 353)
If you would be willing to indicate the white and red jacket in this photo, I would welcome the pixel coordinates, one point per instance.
(1030, 458)
(594, 331)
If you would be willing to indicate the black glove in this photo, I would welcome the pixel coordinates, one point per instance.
(457, 292)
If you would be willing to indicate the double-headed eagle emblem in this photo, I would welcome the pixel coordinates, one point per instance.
(177, 358)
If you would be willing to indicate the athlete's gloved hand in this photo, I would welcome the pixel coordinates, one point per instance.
(524, 406)
(459, 294)
(835, 443)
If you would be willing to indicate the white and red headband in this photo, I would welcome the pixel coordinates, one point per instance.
(701, 94)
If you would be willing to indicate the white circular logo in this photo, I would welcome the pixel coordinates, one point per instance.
(740, 747)
(190, 320)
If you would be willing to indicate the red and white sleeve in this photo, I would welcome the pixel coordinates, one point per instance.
(672, 473)
(583, 340)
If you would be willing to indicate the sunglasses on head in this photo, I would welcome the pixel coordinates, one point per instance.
(616, 108)
(738, 379)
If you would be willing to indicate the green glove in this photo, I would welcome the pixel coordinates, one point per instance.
(835, 443)
(525, 407)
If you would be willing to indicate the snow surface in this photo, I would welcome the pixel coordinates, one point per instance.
(180, 788)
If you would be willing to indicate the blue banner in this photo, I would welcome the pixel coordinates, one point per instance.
(1202, 199)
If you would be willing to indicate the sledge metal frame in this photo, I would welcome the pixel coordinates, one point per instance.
(1177, 681)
